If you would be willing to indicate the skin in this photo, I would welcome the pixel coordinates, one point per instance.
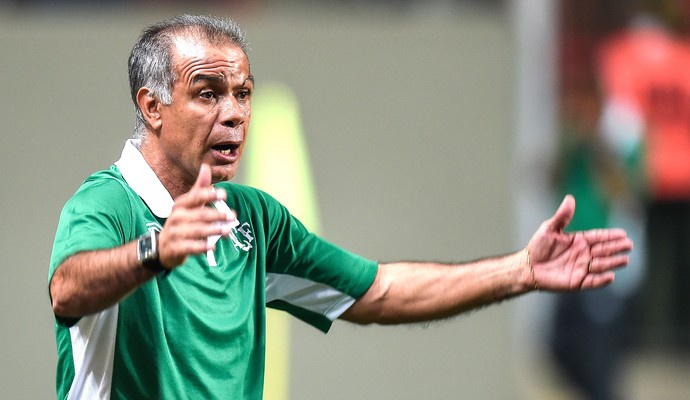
(211, 106)
(560, 261)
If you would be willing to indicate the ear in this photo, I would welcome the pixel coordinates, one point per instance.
(150, 108)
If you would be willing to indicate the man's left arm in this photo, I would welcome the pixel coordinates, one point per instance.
(553, 260)
(406, 292)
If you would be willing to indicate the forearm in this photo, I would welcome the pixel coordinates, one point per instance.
(553, 260)
(413, 292)
(92, 281)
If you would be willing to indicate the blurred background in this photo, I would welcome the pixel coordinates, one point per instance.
(443, 130)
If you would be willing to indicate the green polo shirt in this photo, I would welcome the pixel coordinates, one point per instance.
(199, 331)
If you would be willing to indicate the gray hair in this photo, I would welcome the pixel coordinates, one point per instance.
(150, 63)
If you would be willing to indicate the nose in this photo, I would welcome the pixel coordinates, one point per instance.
(232, 114)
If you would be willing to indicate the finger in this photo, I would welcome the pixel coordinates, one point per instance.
(201, 224)
(204, 177)
(184, 248)
(209, 215)
(593, 281)
(599, 235)
(200, 196)
(563, 214)
(598, 265)
(202, 192)
(176, 245)
(611, 247)
(184, 214)
(201, 231)
(174, 252)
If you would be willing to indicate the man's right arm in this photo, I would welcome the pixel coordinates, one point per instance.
(91, 281)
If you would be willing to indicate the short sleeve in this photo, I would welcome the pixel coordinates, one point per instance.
(98, 216)
(310, 277)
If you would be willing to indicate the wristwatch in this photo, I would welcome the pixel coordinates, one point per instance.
(147, 252)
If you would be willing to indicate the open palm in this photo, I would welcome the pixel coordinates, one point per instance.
(575, 260)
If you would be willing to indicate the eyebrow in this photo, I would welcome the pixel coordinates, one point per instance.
(206, 77)
(218, 78)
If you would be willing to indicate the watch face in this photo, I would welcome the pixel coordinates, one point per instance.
(146, 250)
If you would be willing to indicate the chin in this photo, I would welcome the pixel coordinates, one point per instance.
(222, 174)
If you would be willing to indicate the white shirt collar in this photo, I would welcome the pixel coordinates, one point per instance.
(140, 177)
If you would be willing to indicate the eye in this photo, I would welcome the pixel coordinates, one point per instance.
(208, 94)
(244, 94)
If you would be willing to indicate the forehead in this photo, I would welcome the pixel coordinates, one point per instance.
(191, 56)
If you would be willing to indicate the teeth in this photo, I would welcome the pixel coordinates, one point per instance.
(226, 152)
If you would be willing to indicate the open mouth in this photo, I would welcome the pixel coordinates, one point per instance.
(226, 148)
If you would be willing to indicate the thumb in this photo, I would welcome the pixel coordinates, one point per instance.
(563, 214)
(204, 177)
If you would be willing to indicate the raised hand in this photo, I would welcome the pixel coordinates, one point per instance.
(191, 222)
(580, 260)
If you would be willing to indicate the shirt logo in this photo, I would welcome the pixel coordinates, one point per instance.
(241, 237)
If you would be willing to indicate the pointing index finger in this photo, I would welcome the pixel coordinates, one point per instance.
(202, 192)
(204, 177)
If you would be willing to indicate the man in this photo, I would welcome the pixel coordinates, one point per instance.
(161, 269)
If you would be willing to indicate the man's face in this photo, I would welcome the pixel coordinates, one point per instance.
(208, 119)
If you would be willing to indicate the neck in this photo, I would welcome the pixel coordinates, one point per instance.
(175, 180)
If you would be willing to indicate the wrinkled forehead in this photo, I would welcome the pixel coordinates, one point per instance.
(191, 54)
(191, 46)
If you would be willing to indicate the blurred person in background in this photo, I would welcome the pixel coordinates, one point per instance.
(589, 332)
(644, 74)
